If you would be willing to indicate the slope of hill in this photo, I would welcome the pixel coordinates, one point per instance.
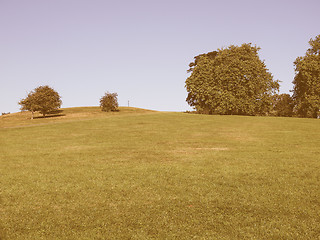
(155, 175)
(65, 114)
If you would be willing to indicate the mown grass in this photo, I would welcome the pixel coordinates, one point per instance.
(161, 176)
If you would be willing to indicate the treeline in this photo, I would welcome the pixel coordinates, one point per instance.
(235, 81)
(231, 81)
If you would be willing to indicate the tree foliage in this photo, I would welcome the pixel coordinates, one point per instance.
(306, 92)
(109, 102)
(230, 81)
(282, 105)
(43, 99)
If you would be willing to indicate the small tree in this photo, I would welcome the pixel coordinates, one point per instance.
(43, 99)
(109, 102)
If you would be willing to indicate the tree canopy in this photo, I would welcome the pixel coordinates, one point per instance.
(43, 99)
(306, 92)
(232, 80)
(282, 105)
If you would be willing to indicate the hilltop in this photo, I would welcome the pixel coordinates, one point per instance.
(65, 114)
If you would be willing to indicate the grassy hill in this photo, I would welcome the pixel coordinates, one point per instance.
(65, 114)
(139, 174)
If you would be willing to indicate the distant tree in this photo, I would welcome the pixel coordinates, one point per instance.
(306, 92)
(231, 81)
(283, 105)
(43, 99)
(109, 102)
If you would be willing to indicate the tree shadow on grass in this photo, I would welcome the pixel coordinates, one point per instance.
(53, 114)
(50, 116)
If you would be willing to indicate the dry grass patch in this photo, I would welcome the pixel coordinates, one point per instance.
(78, 148)
(237, 135)
(212, 148)
(197, 150)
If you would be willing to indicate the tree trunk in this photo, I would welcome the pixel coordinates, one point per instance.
(32, 113)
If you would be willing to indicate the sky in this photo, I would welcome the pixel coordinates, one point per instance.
(140, 49)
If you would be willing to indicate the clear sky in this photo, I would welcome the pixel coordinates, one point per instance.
(139, 48)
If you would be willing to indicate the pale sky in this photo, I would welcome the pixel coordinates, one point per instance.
(139, 48)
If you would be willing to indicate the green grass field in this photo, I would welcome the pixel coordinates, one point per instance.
(139, 174)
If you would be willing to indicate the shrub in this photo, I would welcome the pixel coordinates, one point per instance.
(109, 102)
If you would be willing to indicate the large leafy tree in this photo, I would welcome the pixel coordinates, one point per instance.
(306, 92)
(231, 81)
(43, 99)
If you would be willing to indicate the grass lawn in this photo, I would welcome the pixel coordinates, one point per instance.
(140, 174)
